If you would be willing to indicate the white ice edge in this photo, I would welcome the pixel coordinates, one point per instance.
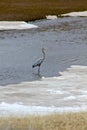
(21, 110)
(51, 17)
(84, 14)
(75, 14)
(18, 25)
(74, 77)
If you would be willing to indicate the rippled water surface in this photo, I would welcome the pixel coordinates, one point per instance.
(65, 40)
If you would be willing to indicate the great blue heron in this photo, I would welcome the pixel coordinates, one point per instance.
(40, 61)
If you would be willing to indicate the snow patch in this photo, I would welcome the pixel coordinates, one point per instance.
(49, 95)
(22, 110)
(84, 14)
(51, 17)
(11, 25)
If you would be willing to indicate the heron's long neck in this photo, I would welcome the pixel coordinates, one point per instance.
(43, 54)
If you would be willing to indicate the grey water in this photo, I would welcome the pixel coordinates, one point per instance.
(65, 40)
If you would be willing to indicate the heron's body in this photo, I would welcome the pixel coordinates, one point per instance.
(40, 61)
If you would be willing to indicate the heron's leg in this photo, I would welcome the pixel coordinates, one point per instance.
(39, 70)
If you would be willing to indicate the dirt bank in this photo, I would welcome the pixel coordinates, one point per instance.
(37, 9)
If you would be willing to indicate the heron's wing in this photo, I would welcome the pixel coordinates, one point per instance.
(38, 63)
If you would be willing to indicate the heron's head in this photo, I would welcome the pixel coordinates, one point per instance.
(43, 49)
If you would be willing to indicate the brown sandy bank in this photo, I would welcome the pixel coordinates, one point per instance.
(37, 9)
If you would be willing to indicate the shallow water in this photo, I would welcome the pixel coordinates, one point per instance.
(65, 40)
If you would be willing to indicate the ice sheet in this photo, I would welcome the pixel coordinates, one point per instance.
(10, 25)
(51, 17)
(66, 93)
(84, 13)
(22, 110)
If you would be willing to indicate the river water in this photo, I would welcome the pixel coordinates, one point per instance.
(61, 85)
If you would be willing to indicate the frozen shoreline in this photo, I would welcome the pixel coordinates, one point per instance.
(19, 25)
(74, 14)
(66, 93)
(23, 110)
(82, 14)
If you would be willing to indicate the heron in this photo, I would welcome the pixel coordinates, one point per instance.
(40, 61)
